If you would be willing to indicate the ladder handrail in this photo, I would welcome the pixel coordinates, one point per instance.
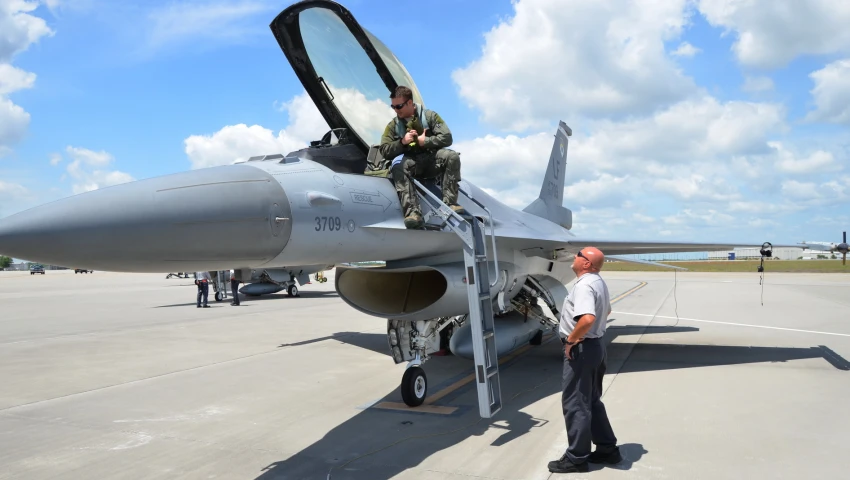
(422, 189)
(492, 237)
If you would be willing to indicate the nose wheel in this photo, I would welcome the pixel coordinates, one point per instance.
(414, 386)
(292, 291)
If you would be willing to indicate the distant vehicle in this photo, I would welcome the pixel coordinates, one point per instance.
(36, 269)
(82, 270)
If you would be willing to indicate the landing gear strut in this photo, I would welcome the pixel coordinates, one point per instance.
(414, 342)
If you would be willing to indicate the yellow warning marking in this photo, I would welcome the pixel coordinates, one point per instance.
(428, 405)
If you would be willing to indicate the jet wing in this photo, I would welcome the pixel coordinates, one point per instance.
(609, 247)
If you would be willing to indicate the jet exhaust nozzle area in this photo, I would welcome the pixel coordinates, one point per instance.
(210, 219)
(417, 293)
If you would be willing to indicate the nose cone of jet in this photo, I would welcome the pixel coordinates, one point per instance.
(211, 219)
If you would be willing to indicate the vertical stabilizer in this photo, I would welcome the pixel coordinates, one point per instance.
(549, 204)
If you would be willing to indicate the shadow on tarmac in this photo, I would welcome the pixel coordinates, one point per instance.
(380, 444)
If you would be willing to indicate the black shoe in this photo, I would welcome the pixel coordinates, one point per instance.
(611, 458)
(564, 465)
(206, 306)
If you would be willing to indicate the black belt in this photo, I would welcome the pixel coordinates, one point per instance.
(585, 339)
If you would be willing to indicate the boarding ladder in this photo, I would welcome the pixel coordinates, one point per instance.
(478, 286)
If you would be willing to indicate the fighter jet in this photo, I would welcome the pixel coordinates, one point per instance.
(489, 276)
(843, 248)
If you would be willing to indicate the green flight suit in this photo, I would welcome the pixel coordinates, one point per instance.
(429, 161)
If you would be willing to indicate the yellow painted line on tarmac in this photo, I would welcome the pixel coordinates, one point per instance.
(629, 292)
(428, 405)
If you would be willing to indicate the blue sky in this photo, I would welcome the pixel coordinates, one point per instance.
(693, 120)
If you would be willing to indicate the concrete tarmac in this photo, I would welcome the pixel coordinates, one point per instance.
(119, 376)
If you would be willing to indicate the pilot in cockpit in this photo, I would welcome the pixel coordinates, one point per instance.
(421, 136)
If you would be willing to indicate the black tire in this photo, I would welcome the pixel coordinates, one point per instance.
(537, 339)
(292, 291)
(218, 296)
(414, 386)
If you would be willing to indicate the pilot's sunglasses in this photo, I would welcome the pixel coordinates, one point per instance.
(399, 106)
(582, 256)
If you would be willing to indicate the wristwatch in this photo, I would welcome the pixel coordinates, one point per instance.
(567, 342)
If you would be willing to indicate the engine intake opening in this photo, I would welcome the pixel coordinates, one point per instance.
(392, 293)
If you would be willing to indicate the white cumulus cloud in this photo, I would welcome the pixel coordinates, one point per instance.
(238, 142)
(771, 33)
(13, 79)
(89, 157)
(832, 93)
(698, 187)
(18, 30)
(816, 162)
(686, 50)
(13, 124)
(556, 58)
(87, 170)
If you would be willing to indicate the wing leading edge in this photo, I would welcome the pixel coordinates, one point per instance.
(632, 248)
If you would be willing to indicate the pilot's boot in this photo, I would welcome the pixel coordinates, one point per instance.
(450, 164)
(414, 221)
(458, 209)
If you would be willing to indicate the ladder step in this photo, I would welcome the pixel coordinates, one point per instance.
(484, 296)
(494, 370)
(488, 334)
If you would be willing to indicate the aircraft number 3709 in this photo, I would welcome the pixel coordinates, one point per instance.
(328, 223)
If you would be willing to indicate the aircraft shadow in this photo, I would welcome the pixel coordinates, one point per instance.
(282, 295)
(376, 342)
(379, 444)
(245, 299)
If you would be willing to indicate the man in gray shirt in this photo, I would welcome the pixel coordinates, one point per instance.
(583, 322)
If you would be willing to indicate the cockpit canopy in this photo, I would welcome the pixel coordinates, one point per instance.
(347, 71)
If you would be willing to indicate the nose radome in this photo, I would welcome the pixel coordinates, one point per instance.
(210, 219)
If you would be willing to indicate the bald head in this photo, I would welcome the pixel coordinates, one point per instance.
(588, 260)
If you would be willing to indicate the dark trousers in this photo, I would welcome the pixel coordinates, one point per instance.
(234, 285)
(584, 412)
(203, 291)
(443, 162)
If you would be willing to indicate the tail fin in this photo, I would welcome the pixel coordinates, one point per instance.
(549, 204)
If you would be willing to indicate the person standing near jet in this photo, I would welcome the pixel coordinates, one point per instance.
(584, 319)
(234, 286)
(421, 136)
(203, 280)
